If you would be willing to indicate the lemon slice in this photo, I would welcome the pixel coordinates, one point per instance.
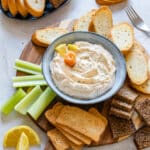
(72, 47)
(12, 136)
(61, 49)
(23, 143)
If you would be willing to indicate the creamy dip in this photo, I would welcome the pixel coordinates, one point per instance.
(91, 76)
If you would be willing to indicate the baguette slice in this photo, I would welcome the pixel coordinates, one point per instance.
(4, 4)
(35, 7)
(102, 21)
(137, 67)
(144, 88)
(123, 36)
(21, 7)
(44, 37)
(12, 7)
(56, 3)
(108, 2)
(138, 47)
(84, 22)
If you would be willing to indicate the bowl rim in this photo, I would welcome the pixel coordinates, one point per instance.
(72, 99)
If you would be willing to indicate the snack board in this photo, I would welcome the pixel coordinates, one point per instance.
(33, 53)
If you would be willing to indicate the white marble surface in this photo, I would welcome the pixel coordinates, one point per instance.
(14, 35)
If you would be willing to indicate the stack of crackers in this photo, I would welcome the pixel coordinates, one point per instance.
(74, 127)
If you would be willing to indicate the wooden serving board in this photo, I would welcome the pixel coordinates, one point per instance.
(33, 53)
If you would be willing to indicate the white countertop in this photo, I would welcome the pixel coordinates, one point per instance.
(14, 35)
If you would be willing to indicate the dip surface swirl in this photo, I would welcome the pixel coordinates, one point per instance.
(91, 76)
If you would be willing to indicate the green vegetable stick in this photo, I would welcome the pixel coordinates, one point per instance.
(41, 103)
(27, 67)
(28, 100)
(28, 81)
(28, 78)
(12, 101)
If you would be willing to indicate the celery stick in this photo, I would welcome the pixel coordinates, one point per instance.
(41, 103)
(12, 101)
(28, 100)
(27, 67)
(28, 81)
(28, 78)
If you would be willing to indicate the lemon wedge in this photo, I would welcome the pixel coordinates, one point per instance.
(23, 143)
(72, 47)
(12, 136)
(61, 49)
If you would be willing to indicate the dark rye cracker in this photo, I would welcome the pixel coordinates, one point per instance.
(142, 138)
(120, 113)
(121, 105)
(127, 94)
(121, 127)
(142, 106)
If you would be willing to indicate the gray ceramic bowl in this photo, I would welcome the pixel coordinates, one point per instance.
(92, 38)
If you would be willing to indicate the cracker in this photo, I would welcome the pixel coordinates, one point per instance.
(120, 113)
(142, 138)
(121, 105)
(95, 112)
(70, 137)
(58, 140)
(127, 94)
(81, 121)
(121, 127)
(51, 116)
(143, 108)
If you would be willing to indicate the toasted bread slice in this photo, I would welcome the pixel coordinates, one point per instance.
(35, 7)
(102, 21)
(76, 134)
(123, 36)
(21, 7)
(12, 7)
(58, 140)
(83, 23)
(56, 3)
(137, 47)
(108, 2)
(144, 88)
(81, 121)
(52, 115)
(137, 67)
(4, 4)
(44, 37)
(71, 138)
(95, 112)
(127, 94)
